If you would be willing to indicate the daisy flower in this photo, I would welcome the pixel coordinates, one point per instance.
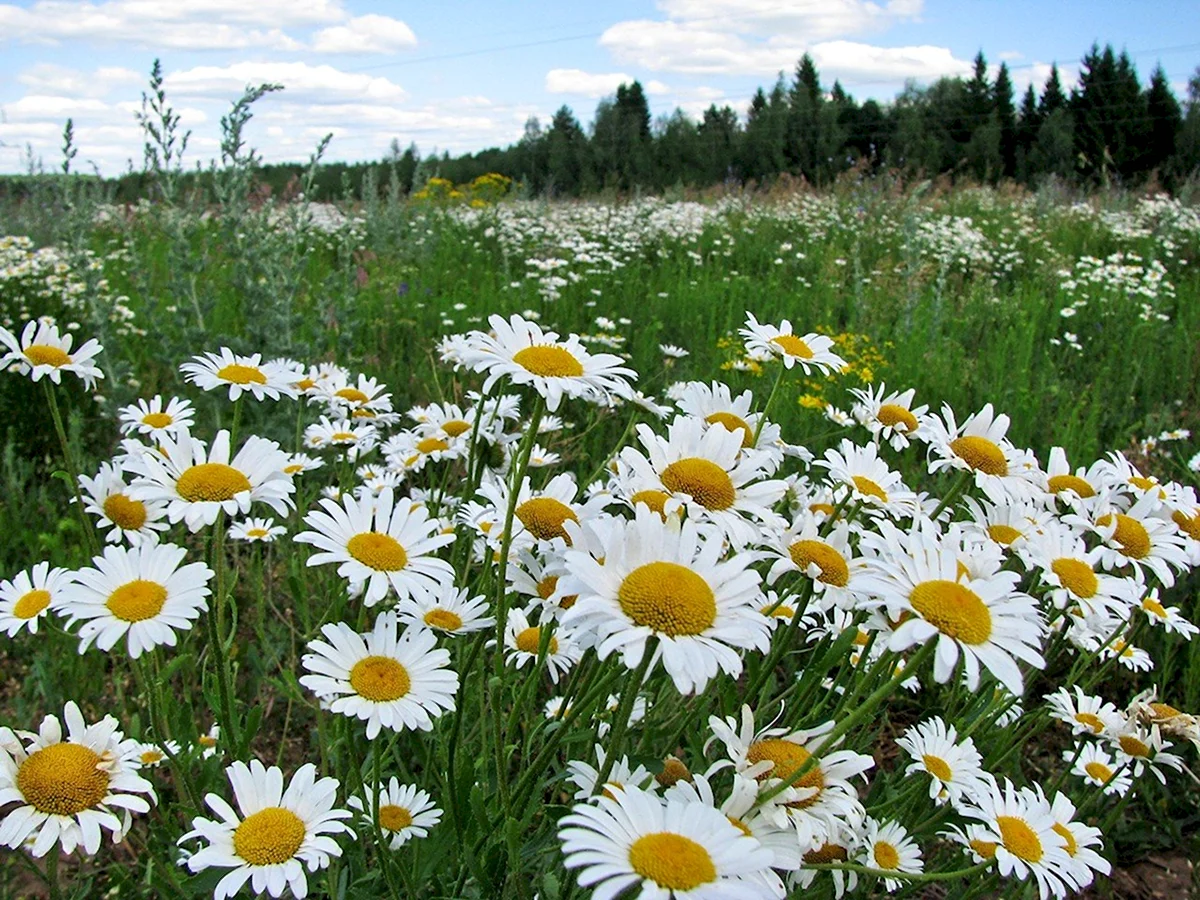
(1136, 537)
(354, 438)
(665, 582)
(405, 811)
(1085, 714)
(956, 769)
(887, 846)
(447, 611)
(142, 592)
(64, 792)
(25, 599)
(1143, 747)
(979, 446)
(1095, 766)
(539, 516)
(379, 544)
(256, 531)
(409, 451)
(277, 835)
(827, 559)
(107, 498)
(523, 641)
(671, 351)
(869, 478)
(1067, 569)
(41, 350)
(241, 374)
(151, 419)
(661, 849)
(1019, 827)
(387, 680)
(1072, 487)
(524, 354)
(981, 619)
(812, 351)
(366, 395)
(716, 405)
(151, 756)
(890, 418)
(1166, 616)
(1005, 524)
(300, 462)
(583, 775)
(707, 472)
(197, 484)
(1080, 840)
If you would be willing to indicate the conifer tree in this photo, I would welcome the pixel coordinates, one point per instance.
(1162, 109)
(1006, 117)
(1053, 97)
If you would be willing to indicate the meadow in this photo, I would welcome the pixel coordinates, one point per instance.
(546, 549)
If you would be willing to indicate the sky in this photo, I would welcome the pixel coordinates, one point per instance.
(462, 75)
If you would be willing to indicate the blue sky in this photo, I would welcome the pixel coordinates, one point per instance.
(460, 76)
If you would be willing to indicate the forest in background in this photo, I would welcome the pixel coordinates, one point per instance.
(1109, 130)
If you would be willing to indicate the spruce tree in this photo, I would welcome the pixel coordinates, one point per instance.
(1006, 116)
(1053, 97)
(1162, 109)
(1028, 122)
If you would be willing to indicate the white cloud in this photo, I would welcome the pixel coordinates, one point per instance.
(856, 63)
(365, 34)
(300, 80)
(594, 84)
(48, 78)
(807, 20)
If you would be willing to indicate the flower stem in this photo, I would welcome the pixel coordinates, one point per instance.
(915, 877)
(89, 534)
(762, 419)
(52, 872)
(628, 695)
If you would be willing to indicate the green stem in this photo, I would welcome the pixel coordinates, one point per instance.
(89, 533)
(52, 872)
(762, 420)
(628, 695)
(953, 494)
(216, 635)
(915, 877)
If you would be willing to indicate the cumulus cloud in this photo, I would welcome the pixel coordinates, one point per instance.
(365, 34)
(808, 20)
(594, 84)
(300, 80)
(48, 78)
(856, 63)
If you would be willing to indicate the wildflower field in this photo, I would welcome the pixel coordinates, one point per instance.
(791, 544)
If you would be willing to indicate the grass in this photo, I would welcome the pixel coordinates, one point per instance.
(956, 294)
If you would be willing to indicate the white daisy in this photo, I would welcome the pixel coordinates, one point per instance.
(151, 756)
(622, 775)
(1137, 538)
(1080, 840)
(380, 544)
(365, 398)
(405, 811)
(663, 849)
(955, 769)
(353, 438)
(524, 354)
(1085, 714)
(107, 498)
(812, 351)
(871, 481)
(278, 834)
(1073, 488)
(256, 531)
(523, 643)
(716, 405)
(66, 791)
(241, 374)
(1067, 569)
(387, 680)
(890, 418)
(448, 611)
(1095, 766)
(25, 599)
(979, 446)
(41, 350)
(1168, 617)
(150, 418)
(888, 846)
(142, 592)
(198, 483)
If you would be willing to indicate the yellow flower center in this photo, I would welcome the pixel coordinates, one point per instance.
(1058, 484)
(672, 861)
(546, 586)
(543, 517)
(1130, 534)
(668, 598)
(1164, 711)
(1142, 483)
(787, 757)
(894, 416)
(1152, 606)
(779, 611)
(548, 361)
(455, 427)
(269, 837)
(157, 419)
(655, 500)
(825, 508)
(306, 384)
(831, 563)
(986, 849)
(702, 480)
(937, 767)
(673, 772)
(1076, 576)
(443, 619)
(30, 604)
(137, 600)
(792, 346)
(377, 551)
(981, 454)
(212, 482)
(345, 436)
(125, 513)
(1134, 746)
(954, 610)
(870, 488)
(1189, 525)
(1003, 534)
(354, 395)
(1019, 839)
(239, 374)
(740, 826)
(1091, 720)
(1098, 770)
(886, 856)
(257, 533)
(46, 355)
(431, 445)
(150, 757)
(62, 779)
(826, 853)
(733, 423)
(380, 678)
(529, 640)
(394, 818)
(1072, 846)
